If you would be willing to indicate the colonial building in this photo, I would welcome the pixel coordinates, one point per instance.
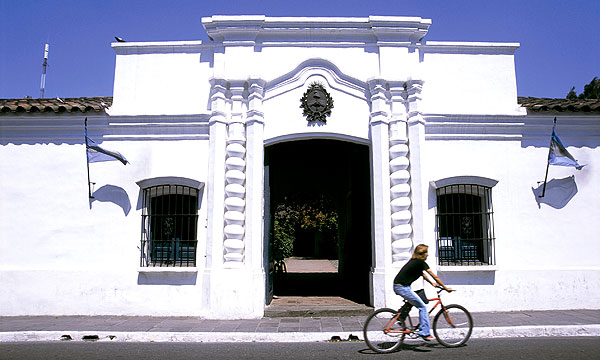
(409, 141)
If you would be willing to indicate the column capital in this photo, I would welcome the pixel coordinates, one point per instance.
(414, 87)
(414, 90)
(377, 84)
(256, 84)
(380, 107)
(219, 84)
(256, 89)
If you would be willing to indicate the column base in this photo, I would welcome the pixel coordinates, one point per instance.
(234, 293)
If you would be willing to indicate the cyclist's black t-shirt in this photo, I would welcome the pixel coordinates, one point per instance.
(410, 272)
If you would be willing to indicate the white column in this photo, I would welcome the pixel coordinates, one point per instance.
(400, 191)
(233, 289)
(255, 175)
(255, 192)
(235, 180)
(382, 256)
(216, 174)
(416, 134)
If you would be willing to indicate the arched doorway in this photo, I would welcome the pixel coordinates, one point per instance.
(323, 186)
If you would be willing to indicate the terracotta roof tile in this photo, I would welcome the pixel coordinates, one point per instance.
(560, 105)
(100, 103)
(57, 105)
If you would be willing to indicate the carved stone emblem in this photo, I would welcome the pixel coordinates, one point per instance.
(316, 103)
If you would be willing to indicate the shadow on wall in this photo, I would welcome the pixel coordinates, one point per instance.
(112, 194)
(558, 192)
(468, 278)
(167, 278)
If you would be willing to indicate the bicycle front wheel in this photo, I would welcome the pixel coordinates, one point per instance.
(383, 332)
(452, 326)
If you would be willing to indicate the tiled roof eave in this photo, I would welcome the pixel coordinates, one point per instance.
(97, 104)
(559, 105)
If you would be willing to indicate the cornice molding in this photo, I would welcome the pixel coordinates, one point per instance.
(473, 127)
(532, 130)
(170, 180)
(70, 129)
(164, 47)
(260, 28)
(468, 47)
(463, 180)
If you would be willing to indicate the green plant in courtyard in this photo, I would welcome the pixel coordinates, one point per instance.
(301, 211)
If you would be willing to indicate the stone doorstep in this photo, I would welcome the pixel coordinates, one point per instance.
(317, 311)
(315, 306)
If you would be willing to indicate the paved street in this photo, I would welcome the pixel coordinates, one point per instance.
(278, 329)
(510, 349)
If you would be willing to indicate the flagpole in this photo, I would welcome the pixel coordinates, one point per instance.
(87, 162)
(548, 160)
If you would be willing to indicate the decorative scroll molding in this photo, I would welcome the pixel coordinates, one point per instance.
(235, 177)
(400, 189)
(299, 76)
(238, 105)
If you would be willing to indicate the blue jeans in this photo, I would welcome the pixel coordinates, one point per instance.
(414, 299)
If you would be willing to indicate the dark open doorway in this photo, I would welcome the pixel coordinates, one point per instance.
(325, 184)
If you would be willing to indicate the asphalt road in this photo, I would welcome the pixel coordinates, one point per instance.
(512, 349)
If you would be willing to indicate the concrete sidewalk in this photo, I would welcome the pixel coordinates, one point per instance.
(282, 329)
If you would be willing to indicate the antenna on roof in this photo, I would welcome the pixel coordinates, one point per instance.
(44, 64)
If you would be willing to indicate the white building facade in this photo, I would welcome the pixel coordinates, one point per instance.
(416, 142)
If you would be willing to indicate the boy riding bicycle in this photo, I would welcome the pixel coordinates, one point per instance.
(411, 271)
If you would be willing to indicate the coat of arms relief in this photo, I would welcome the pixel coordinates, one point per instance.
(316, 103)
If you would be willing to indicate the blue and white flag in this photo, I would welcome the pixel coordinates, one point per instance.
(558, 155)
(96, 154)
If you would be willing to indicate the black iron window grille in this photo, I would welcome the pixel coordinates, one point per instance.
(465, 225)
(169, 226)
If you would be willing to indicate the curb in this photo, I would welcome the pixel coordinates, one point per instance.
(216, 337)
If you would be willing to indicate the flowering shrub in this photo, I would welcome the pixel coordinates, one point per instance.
(309, 212)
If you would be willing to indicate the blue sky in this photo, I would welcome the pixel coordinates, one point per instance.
(560, 41)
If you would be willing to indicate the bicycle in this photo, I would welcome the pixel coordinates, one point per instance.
(385, 329)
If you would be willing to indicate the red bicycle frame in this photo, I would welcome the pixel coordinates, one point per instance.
(388, 326)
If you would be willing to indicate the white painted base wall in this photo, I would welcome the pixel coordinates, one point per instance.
(61, 254)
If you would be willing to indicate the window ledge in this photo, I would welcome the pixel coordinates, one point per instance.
(165, 269)
(458, 268)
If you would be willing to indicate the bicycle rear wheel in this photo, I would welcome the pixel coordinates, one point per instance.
(452, 326)
(383, 332)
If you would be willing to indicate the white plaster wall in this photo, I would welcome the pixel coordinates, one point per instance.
(543, 255)
(177, 82)
(459, 83)
(59, 256)
(356, 62)
(162, 83)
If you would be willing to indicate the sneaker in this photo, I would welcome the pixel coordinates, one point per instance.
(426, 337)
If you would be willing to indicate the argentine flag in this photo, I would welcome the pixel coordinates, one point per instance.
(558, 155)
(96, 154)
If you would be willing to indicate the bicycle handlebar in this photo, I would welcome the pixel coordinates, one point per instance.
(440, 289)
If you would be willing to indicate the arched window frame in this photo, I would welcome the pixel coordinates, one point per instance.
(464, 222)
(169, 228)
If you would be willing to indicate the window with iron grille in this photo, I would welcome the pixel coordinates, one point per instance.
(465, 225)
(169, 226)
